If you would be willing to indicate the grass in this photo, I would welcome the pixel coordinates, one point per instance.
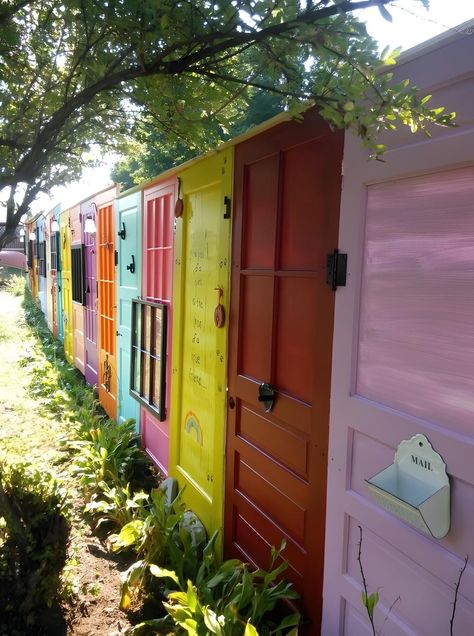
(44, 401)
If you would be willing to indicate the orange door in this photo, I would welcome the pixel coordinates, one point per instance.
(287, 189)
(106, 296)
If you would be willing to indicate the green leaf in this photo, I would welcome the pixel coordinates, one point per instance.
(211, 621)
(162, 573)
(161, 625)
(383, 55)
(372, 602)
(191, 597)
(180, 598)
(190, 625)
(384, 13)
(129, 535)
(292, 620)
(250, 630)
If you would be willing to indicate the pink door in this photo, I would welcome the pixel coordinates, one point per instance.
(158, 220)
(403, 364)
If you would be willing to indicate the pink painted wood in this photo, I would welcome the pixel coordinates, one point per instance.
(403, 362)
(416, 324)
(157, 276)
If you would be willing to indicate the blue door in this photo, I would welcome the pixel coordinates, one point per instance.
(128, 214)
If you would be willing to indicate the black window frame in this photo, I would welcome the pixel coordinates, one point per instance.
(138, 353)
(42, 259)
(30, 255)
(78, 274)
(53, 242)
(58, 252)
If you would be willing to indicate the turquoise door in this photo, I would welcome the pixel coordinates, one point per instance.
(128, 214)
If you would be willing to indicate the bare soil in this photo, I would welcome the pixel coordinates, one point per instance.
(89, 600)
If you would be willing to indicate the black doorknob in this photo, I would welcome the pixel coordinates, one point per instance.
(131, 267)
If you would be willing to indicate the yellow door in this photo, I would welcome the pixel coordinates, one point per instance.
(198, 382)
(66, 288)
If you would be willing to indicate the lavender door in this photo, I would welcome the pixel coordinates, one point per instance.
(403, 363)
(88, 210)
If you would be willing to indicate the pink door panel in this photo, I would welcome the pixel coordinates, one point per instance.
(158, 220)
(403, 363)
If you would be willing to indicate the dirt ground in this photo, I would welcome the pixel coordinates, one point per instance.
(92, 577)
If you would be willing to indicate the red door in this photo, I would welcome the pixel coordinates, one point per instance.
(287, 192)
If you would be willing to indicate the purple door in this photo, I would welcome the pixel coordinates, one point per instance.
(88, 210)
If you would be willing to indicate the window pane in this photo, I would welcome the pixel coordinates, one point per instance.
(158, 331)
(136, 370)
(137, 337)
(156, 397)
(146, 320)
(145, 376)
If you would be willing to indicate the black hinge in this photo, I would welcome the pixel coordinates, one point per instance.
(336, 271)
(227, 203)
(116, 257)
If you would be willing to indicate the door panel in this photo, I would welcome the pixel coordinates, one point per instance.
(128, 215)
(54, 305)
(158, 236)
(91, 355)
(41, 234)
(107, 372)
(66, 287)
(76, 282)
(78, 317)
(49, 281)
(403, 352)
(53, 268)
(287, 189)
(199, 346)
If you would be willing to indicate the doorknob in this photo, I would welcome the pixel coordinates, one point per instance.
(266, 394)
(131, 267)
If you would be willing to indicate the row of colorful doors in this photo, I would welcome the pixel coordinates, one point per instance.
(224, 330)
(197, 290)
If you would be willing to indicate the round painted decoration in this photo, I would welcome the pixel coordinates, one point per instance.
(219, 316)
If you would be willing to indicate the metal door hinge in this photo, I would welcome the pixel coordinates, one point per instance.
(336, 270)
(116, 257)
(228, 206)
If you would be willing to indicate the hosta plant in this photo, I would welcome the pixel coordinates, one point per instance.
(227, 600)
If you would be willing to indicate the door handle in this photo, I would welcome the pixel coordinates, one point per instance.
(131, 267)
(266, 394)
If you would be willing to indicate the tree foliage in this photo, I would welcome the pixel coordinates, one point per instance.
(82, 72)
(151, 151)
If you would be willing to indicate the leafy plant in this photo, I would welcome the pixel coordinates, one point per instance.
(116, 506)
(154, 538)
(110, 454)
(230, 600)
(33, 543)
(15, 285)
